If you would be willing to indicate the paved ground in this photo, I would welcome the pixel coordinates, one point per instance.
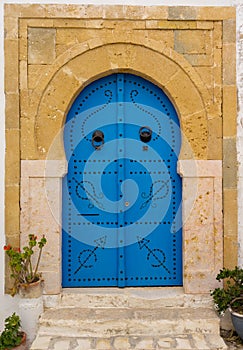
(183, 342)
(232, 340)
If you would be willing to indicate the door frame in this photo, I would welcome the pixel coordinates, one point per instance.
(200, 265)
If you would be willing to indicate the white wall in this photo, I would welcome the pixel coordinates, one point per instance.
(7, 304)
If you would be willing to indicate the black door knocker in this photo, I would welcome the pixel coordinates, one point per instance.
(97, 139)
(145, 133)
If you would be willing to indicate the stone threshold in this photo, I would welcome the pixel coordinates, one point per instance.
(127, 297)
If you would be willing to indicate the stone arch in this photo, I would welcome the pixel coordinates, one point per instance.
(88, 61)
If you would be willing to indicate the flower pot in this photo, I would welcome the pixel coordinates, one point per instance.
(237, 316)
(22, 345)
(31, 290)
(31, 307)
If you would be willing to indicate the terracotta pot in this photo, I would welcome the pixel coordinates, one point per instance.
(31, 290)
(22, 345)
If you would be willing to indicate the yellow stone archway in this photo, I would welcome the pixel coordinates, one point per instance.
(172, 73)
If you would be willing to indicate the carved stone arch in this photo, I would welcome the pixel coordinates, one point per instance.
(87, 62)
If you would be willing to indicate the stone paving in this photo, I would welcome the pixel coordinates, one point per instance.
(180, 342)
(130, 320)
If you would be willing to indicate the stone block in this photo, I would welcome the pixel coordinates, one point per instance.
(96, 11)
(182, 87)
(11, 81)
(164, 36)
(195, 131)
(229, 110)
(25, 10)
(215, 138)
(170, 25)
(216, 13)
(23, 75)
(230, 251)
(52, 281)
(35, 73)
(11, 27)
(229, 163)
(125, 25)
(156, 12)
(229, 31)
(217, 35)
(41, 45)
(13, 239)
(183, 13)
(217, 69)
(205, 24)
(229, 64)
(109, 13)
(12, 111)
(83, 344)
(12, 166)
(199, 60)
(61, 344)
(41, 342)
(12, 210)
(192, 41)
(165, 343)
(121, 343)
(95, 23)
(24, 104)
(134, 12)
(23, 42)
(206, 74)
(103, 344)
(61, 10)
(183, 343)
(70, 36)
(39, 22)
(200, 342)
(145, 344)
(27, 141)
(230, 209)
(141, 58)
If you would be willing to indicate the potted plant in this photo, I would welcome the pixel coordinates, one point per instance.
(23, 271)
(12, 337)
(230, 296)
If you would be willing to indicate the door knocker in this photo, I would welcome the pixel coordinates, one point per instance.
(145, 133)
(98, 139)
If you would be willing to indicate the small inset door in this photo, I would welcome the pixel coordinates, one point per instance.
(122, 195)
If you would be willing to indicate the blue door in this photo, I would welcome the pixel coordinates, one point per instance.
(122, 194)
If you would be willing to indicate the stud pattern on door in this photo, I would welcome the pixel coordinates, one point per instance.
(122, 195)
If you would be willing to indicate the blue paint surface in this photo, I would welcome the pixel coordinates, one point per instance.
(122, 201)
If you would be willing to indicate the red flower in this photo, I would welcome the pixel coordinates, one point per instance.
(7, 247)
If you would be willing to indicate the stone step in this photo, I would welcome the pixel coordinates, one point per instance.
(163, 342)
(132, 298)
(110, 322)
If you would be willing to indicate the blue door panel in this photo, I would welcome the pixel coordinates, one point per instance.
(122, 198)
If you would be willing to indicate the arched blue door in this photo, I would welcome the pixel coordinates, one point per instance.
(122, 194)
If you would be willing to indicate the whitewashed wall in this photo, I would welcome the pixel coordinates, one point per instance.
(8, 304)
